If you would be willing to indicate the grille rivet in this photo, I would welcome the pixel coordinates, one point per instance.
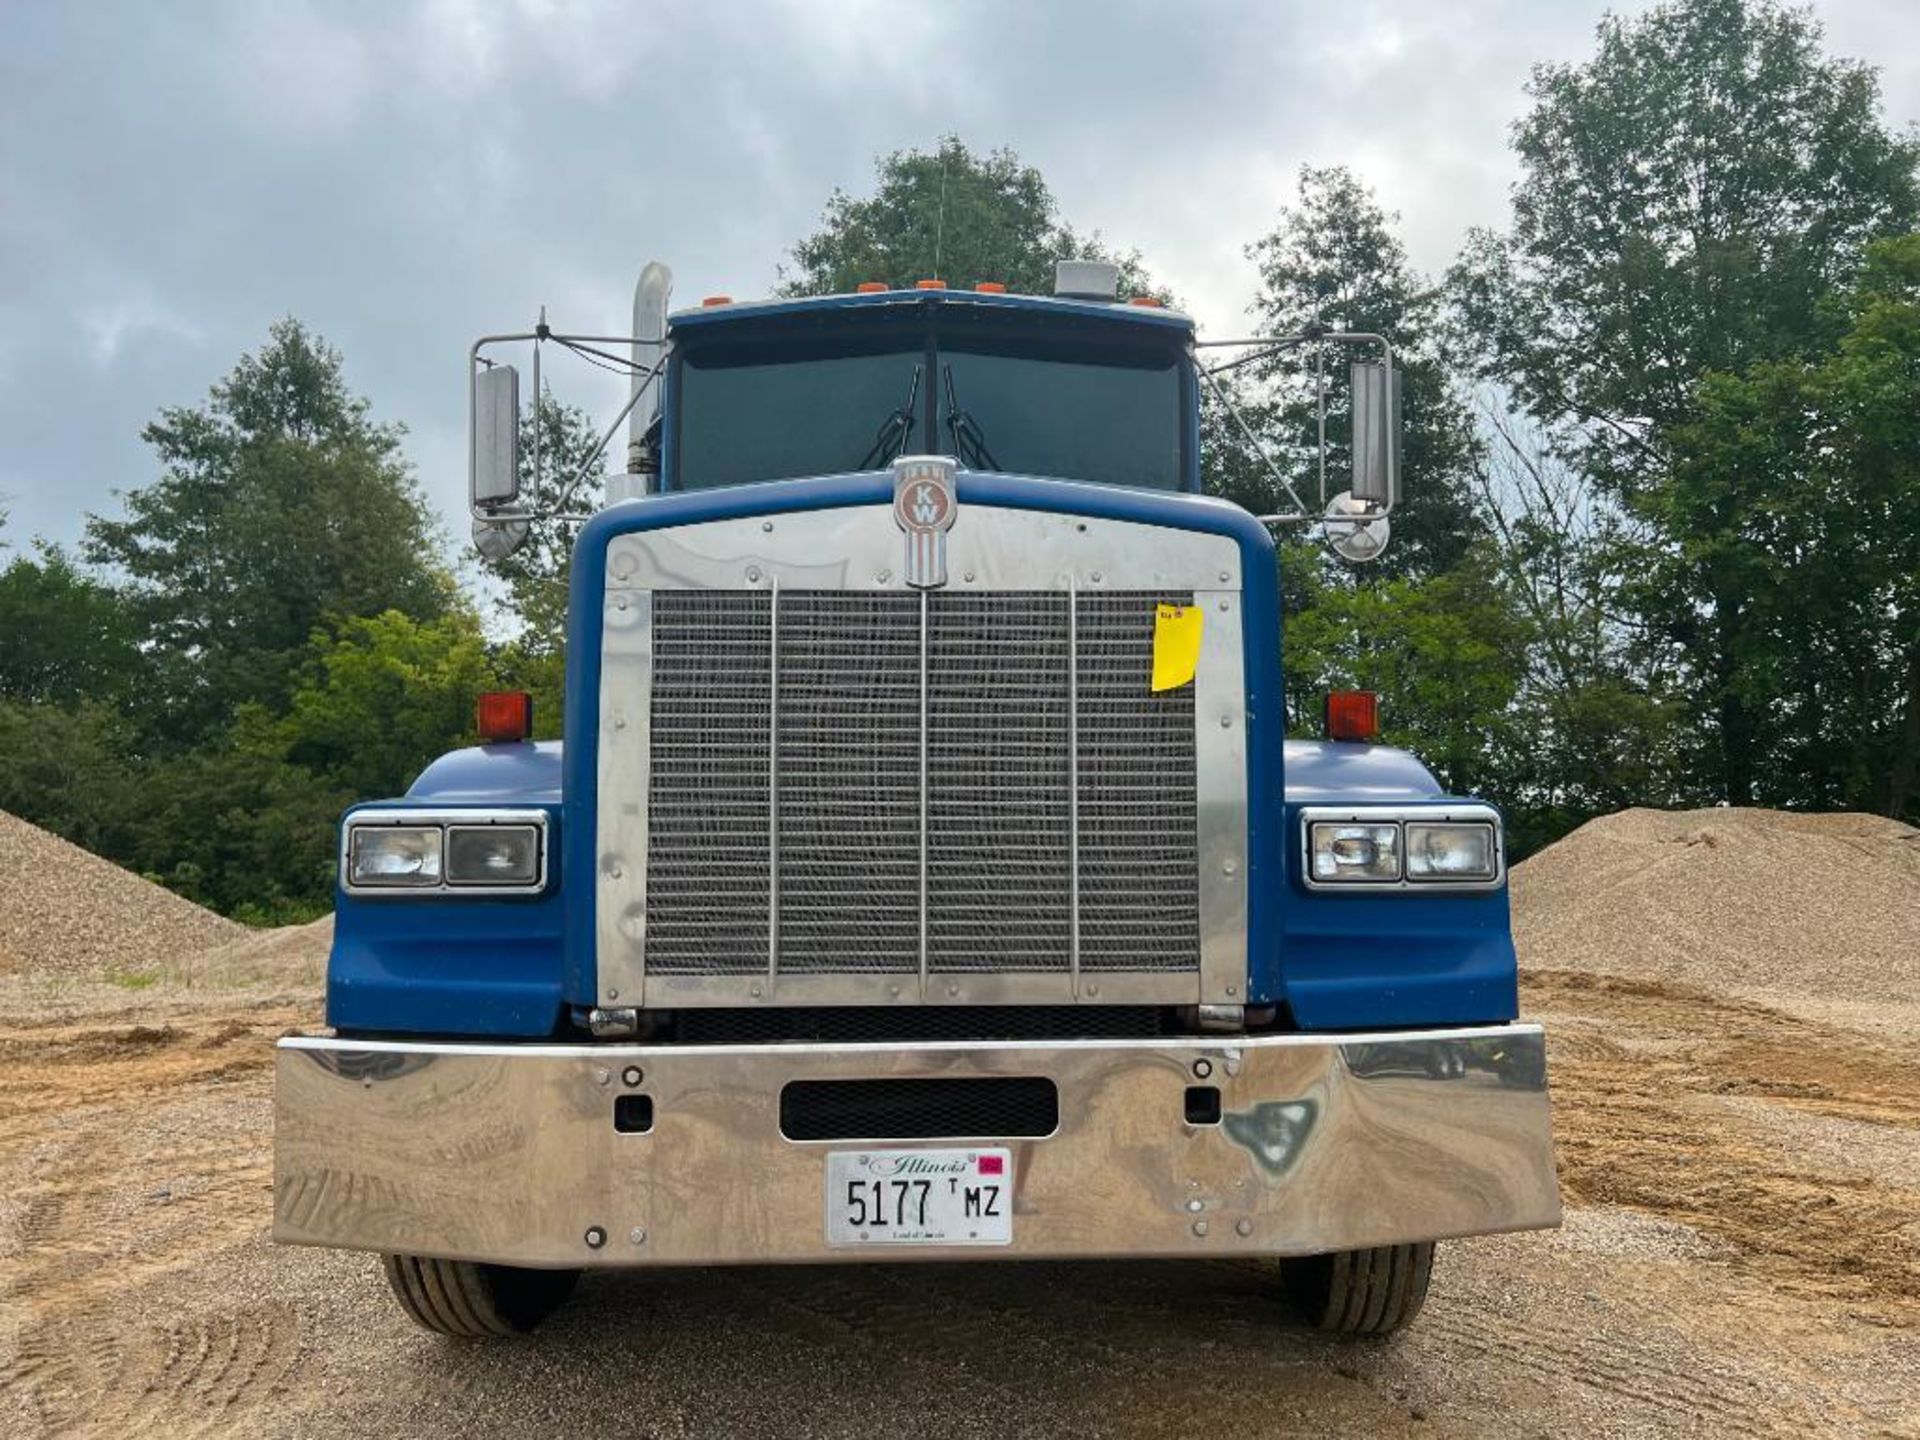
(754, 991)
(1223, 605)
(953, 990)
(613, 872)
(631, 1075)
(884, 576)
(767, 526)
(894, 990)
(1231, 990)
(596, 1237)
(1226, 722)
(1202, 1069)
(1196, 1205)
(603, 1077)
(1093, 990)
(1227, 867)
(637, 1235)
(968, 577)
(619, 722)
(1096, 577)
(1225, 576)
(1244, 1227)
(619, 602)
(613, 994)
(753, 572)
(1200, 1227)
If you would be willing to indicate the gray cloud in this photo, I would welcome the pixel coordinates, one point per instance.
(404, 176)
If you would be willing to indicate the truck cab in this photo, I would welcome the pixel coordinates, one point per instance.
(925, 872)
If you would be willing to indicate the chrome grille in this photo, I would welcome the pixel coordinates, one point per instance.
(942, 782)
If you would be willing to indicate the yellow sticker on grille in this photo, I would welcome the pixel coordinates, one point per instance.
(1176, 645)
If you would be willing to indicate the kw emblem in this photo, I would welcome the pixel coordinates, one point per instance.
(924, 505)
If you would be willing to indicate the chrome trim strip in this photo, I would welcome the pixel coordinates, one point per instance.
(624, 776)
(1465, 813)
(901, 987)
(1220, 798)
(508, 1153)
(446, 818)
(1073, 782)
(924, 702)
(773, 783)
(857, 547)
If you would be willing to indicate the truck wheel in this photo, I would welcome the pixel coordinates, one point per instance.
(1360, 1292)
(472, 1301)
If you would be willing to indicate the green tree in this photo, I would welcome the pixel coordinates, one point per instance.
(71, 769)
(1334, 260)
(1690, 199)
(1794, 504)
(1448, 653)
(69, 637)
(281, 504)
(537, 573)
(381, 696)
(948, 213)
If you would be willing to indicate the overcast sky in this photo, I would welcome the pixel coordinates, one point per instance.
(405, 176)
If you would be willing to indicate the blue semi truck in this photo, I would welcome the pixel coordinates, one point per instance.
(925, 871)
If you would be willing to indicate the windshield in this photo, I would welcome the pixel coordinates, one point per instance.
(1022, 402)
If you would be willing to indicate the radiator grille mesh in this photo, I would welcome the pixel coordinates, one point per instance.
(786, 779)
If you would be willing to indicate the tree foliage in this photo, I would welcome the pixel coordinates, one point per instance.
(69, 635)
(280, 504)
(948, 213)
(1333, 260)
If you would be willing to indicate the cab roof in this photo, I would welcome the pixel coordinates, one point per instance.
(1149, 317)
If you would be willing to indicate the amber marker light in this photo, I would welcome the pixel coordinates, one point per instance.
(1352, 715)
(503, 716)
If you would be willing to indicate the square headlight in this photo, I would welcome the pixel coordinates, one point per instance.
(493, 855)
(1441, 851)
(1354, 852)
(399, 855)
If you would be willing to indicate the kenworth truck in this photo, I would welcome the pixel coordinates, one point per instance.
(925, 872)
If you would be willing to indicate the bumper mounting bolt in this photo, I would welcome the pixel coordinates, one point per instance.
(1200, 1227)
(1202, 1069)
(1244, 1227)
(631, 1075)
(637, 1235)
(596, 1237)
(603, 1077)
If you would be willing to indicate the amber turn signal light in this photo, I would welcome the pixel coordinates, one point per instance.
(1353, 715)
(502, 716)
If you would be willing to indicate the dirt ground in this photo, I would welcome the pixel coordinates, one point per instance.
(1741, 1256)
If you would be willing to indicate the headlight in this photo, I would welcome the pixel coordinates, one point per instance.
(493, 855)
(1355, 852)
(1451, 852)
(439, 853)
(394, 855)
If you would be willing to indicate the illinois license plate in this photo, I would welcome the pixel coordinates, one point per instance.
(920, 1197)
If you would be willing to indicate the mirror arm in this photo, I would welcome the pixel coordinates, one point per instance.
(1220, 394)
(618, 420)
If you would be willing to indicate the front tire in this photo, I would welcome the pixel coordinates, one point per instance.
(1360, 1292)
(471, 1301)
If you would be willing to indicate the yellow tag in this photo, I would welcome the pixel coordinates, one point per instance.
(1176, 645)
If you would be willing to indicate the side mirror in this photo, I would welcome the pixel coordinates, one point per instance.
(1376, 434)
(493, 471)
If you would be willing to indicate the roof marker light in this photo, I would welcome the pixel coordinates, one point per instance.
(991, 287)
(713, 300)
(1353, 715)
(1148, 302)
(870, 287)
(503, 716)
(929, 284)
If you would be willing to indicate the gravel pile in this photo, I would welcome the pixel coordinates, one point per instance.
(64, 912)
(1825, 906)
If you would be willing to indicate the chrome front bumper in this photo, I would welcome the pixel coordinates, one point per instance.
(509, 1153)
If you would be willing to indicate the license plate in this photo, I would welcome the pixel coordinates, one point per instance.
(920, 1197)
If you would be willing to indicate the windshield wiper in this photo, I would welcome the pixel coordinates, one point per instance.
(895, 430)
(969, 443)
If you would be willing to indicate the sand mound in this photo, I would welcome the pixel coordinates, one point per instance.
(293, 955)
(66, 912)
(1757, 901)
